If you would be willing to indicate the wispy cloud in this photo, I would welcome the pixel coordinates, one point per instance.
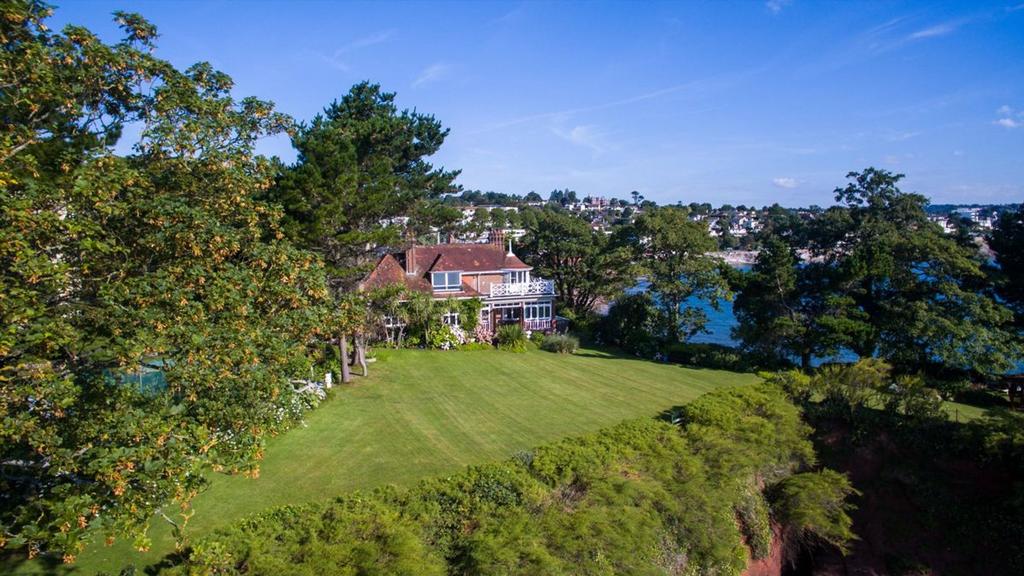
(693, 87)
(1011, 118)
(587, 136)
(339, 59)
(776, 6)
(786, 182)
(934, 31)
(432, 73)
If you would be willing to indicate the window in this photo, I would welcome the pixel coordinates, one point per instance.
(447, 281)
(451, 318)
(538, 311)
(517, 276)
(392, 322)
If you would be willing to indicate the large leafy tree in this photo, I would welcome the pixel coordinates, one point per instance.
(583, 263)
(362, 166)
(1007, 241)
(673, 251)
(785, 309)
(110, 263)
(920, 291)
(361, 172)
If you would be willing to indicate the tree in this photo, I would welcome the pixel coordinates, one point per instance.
(918, 289)
(1007, 241)
(562, 197)
(637, 197)
(361, 165)
(785, 309)
(533, 197)
(111, 266)
(673, 251)
(584, 265)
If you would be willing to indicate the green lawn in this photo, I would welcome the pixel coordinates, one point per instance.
(424, 413)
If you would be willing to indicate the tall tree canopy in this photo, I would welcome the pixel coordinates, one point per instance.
(109, 263)
(787, 310)
(584, 264)
(904, 290)
(1007, 241)
(361, 165)
(673, 251)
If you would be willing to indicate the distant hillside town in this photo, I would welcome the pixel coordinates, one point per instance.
(476, 215)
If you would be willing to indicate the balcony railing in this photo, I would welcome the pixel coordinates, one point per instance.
(531, 288)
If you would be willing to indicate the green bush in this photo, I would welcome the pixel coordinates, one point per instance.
(714, 356)
(476, 346)
(511, 338)
(537, 337)
(643, 497)
(560, 343)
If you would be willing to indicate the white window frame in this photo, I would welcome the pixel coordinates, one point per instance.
(446, 281)
(517, 276)
(451, 318)
(538, 311)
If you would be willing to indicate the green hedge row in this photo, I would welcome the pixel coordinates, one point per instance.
(643, 497)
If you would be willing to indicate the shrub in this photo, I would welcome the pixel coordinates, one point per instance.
(642, 497)
(537, 337)
(813, 507)
(560, 343)
(511, 338)
(445, 337)
(476, 346)
(714, 356)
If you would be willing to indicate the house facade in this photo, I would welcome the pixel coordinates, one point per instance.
(510, 293)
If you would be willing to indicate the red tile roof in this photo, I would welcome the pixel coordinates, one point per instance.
(471, 258)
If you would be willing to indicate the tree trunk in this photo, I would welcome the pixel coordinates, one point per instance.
(346, 377)
(360, 342)
(805, 361)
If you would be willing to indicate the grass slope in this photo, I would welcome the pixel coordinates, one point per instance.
(425, 413)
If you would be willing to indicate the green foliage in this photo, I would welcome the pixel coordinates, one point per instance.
(444, 337)
(707, 355)
(632, 325)
(583, 263)
(360, 163)
(673, 251)
(643, 497)
(787, 309)
(1007, 241)
(904, 290)
(813, 506)
(511, 338)
(560, 343)
(111, 262)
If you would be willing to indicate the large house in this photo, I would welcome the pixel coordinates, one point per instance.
(490, 272)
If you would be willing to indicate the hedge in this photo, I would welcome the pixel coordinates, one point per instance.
(642, 497)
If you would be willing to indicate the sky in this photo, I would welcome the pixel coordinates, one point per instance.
(723, 102)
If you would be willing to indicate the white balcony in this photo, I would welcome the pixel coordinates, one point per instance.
(534, 287)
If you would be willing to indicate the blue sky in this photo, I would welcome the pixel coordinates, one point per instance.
(751, 102)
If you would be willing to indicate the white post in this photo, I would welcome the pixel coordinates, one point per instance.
(328, 379)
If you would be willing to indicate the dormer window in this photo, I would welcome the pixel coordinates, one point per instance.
(517, 276)
(447, 281)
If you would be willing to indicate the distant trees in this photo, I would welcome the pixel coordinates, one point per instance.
(562, 197)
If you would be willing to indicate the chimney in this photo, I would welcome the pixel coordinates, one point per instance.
(410, 260)
(498, 238)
